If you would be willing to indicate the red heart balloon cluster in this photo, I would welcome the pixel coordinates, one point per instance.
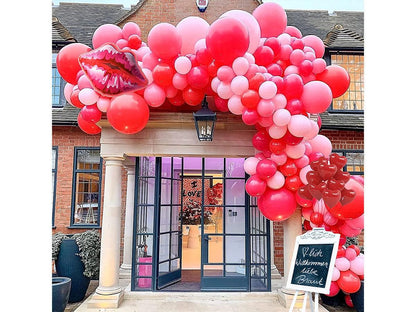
(327, 180)
(215, 194)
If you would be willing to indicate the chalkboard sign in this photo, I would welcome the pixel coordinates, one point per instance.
(313, 261)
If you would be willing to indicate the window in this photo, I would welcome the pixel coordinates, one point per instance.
(86, 188)
(355, 161)
(54, 166)
(58, 99)
(353, 99)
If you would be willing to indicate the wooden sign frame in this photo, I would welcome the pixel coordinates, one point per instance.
(311, 253)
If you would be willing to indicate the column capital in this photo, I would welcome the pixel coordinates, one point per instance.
(113, 160)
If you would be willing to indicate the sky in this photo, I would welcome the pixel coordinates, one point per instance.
(330, 5)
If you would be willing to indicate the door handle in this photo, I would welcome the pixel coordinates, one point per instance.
(207, 238)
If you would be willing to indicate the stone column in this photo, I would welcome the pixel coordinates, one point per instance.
(109, 293)
(125, 269)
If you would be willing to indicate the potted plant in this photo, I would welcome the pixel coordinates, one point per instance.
(77, 256)
(61, 286)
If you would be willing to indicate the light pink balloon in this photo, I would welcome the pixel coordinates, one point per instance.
(150, 60)
(291, 69)
(200, 44)
(319, 206)
(154, 95)
(103, 103)
(297, 56)
(234, 104)
(330, 219)
(67, 92)
(84, 82)
(240, 66)
(267, 90)
(107, 33)
(277, 132)
(335, 274)
(142, 52)
(250, 165)
(321, 144)
(252, 25)
(315, 43)
(279, 101)
(164, 41)
(303, 172)
(130, 28)
(88, 96)
(293, 31)
(239, 85)
(295, 151)
(316, 97)
(250, 58)
(357, 265)
(215, 82)
(281, 117)
(122, 43)
(303, 160)
(299, 125)
(265, 108)
(183, 65)
(319, 66)
(284, 39)
(350, 254)
(349, 231)
(179, 81)
(342, 264)
(313, 130)
(224, 91)
(357, 223)
(276, 181)
(191, 29)
(149, 75)
(279, 159)
(225, 73)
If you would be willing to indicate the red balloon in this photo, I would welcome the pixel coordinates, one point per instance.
(317, 218)
(255, 81)
(74, 97)
(221, 104)
(250, 99)
(333, 289)
(355, 208)
(261, 141)
(293, 183)
(331, 197)
(87, 127)
(203, 56)
(128, 113)
(274, 44)
(295, 107)
(277, 205)
(163, 74)
(338, 160)
(255, 186)
(263, 55)
(307, 225)
(292, 86)
(303, 202)
(198, 77)
(266, 168)
(337, 78)
(67, 61)
(193, 96)
(290, 139)
(277, 146)
(250, 116)
(349, 281)
(327, 171)
(221, 33)
(134, 42)
(289, 168)
(348, 301)
(177, 100)
(91, 113)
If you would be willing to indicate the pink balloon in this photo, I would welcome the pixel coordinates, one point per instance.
(107, 33)
(271, 18)
(122, 43)
(224, 91)
(279, 101)
(179, 81)
(183, 65)
(342, 264)
(349, 231)
(88, 96)
(279, 159)
(239, 85)
(191, 29)
(131, 28)
(225, 73)
(215, 82)
(84, 82)
(313, 130)
(149, 75)
(303, 172)
(315, 43)
(293, 31)
(350, 254)
(321, 144)
(277, 132)
(252, 25)
(281, 117)
(240, 66)
(357, 265)
(67, 92)
(164, 40)
(234, 104)
(319, 206)
(299, 125)
(319, 66)
(150, 60)
(303, 161)
(200, 44)
(296, 57)
(265, 108)
(316, 97)
(154, 95)
(357, 223)
(255, 186)
(250, 165)
(330, 219)
(276, 181)
(267, 90)
(295, 151)
(335, 274)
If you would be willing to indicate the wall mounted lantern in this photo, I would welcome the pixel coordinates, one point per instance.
(205, 122)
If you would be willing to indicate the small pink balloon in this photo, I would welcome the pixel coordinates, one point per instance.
(279, 159)
(225, 73)
(84, 82)
(291, 69)
(319, 66)
(234, 104)
(297, 56)
(342, 264)
(330, 219)
(357, 265)
(239, 85)
(179, 81)
(183, 65)
(150, 60)
(303, 160)
(103, 103)
(67, 92)
(267, 90)
(303, 172)
(107, 33)
(276, 181)
(142, 52)
(149, 75)
(200, 44)
(224, 91)
(350, 254)
(321, 144)
(295, 151)
(315, 43)
(250, 165)
(265, 108)
(279, 101)
(88, 96)
(319, 206)
(240, 66)
(313, 130)
(277, 132)
(357, 223)
(130, 28)
(335, 274)
(122, 43)
(281, 117)
(299, 125)
(154, 95)
(215, 82)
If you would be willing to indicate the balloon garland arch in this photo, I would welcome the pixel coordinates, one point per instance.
(254, 65)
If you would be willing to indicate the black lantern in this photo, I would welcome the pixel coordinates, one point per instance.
(205, 122)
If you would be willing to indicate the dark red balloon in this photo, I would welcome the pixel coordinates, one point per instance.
(198, 77)
(193, 96)
(263, 55)
(293, 86)
(317, 218)
(261, 141)
(289, 168)
(255, 186)
(255, 81)
(293, 183)
(266, 168)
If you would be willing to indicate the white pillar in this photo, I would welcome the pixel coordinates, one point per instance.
(109, 293)
(125, 269)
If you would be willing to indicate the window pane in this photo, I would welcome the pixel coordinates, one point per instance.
(56, 88)
(355, 162)
(87, 196)
(353, 99)
(88, 159)
(53, 159)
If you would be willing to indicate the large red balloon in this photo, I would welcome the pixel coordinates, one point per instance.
(128, 113)
(337, 78)
(165, 41)
(227, 39)
(87, 126)
(277, 205)
(193, 96)
(67, 61)
(355, 208)
(349, 282)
